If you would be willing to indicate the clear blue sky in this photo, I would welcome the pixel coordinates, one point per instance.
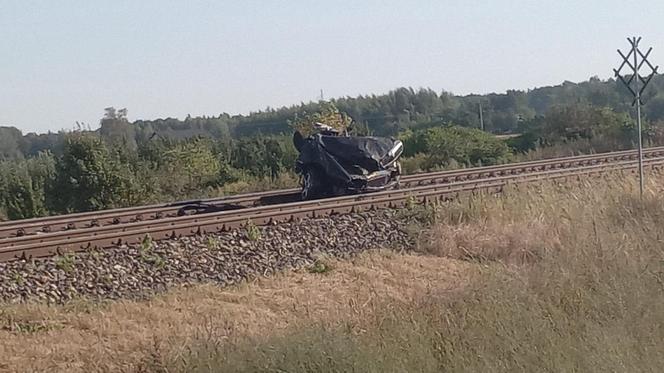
(65, 61)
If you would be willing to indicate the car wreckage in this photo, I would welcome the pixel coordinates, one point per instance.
(332, 164)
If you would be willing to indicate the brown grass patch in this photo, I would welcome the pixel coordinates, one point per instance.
(528, 223)
(587, 296)
(492, 240)
(125, 335)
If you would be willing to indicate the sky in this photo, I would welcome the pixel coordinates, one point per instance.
(63, 62)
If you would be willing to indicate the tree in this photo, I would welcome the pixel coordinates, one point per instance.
(84, 179)
(116, 130)
(23, 186)
(192, 164)
(11, 141)
(654, 109)
(564, 123)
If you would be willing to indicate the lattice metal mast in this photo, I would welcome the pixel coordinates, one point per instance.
(636, 84)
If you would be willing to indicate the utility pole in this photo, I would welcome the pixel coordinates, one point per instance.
(481, 117)
(636, 84)
(321, 95)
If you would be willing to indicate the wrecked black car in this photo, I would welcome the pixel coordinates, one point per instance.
(332, 164)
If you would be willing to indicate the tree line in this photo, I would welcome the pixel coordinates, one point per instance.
(386, 115)
(91, 173)
(125, 164)
(105, 170)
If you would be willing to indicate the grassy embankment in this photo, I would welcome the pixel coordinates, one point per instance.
(549, 278)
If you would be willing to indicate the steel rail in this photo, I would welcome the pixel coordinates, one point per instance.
(132, 233)
(134, 213)
(155, 212)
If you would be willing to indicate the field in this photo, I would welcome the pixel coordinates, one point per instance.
(555, 277)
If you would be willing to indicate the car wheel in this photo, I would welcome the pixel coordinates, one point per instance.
(311, 184)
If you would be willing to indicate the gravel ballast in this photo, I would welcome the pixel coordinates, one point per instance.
(223, 259)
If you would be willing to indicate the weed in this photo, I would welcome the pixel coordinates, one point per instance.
(321, 266)
(28, 327)
(18, 279)
(213, 242)
(94, 253)
(253, 232)
(159, 262)
(147, 255)
(12, 323)
(156, 260)
(146, 244)
(65, 262)
(411, 203)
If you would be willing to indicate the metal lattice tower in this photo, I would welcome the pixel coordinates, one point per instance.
(636, 84)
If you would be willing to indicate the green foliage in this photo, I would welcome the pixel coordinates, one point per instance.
(146, 244)
(213, 243)
(569, 123)
(13, 322)
(263, 156)
(386, 114)
(253, 232)
(321, 266)
(191, 164)
(116, 130)
(84, 176)
(94, 173)
(10, 143)
(18, 279)
(565, 123)
(65, 262)
(142, 162)
(147, 255)
(442, 145)
(327, 113)
(525, 142)
(22, 186)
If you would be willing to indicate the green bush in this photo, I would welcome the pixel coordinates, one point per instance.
(569, 123)
(83, 179)
(444, 145)
(22, 186)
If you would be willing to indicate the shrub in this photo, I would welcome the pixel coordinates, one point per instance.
(466, 146)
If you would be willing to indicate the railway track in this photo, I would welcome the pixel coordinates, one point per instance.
(423, 187)
(116, 217)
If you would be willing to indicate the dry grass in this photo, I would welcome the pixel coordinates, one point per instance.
(128, 336)
(572, 279)
(569, 149)
(528, 223)
(494, 240)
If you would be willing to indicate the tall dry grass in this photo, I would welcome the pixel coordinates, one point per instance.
(597, 144)
(572, 279)
(152, 335)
